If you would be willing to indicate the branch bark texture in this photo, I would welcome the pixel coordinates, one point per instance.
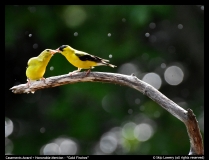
(186, 116)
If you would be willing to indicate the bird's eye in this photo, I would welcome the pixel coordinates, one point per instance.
(47, 50)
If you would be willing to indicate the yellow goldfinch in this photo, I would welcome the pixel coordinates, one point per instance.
(37, 65)
(82, 60)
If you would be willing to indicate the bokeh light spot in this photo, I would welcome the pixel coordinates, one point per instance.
(128, 68)
(145, 56)
(156, 114)
(74, 16)
(163, 65)
(108, 143)
(8, 146)
(109, 101)
(32, 9)
(201, 121)
(128, 130)
(75, 34)
(147, 34)
(68, 147)
(152, 38)
(60, 146)
(173, 75)
(123, 20)
(180, 26)
(130, 111)
(143, 132)
(51, 149)
(141, 108)
(8, 127)
(137, 100)
(42, 130)
(35, 46)
(51, 68)
(153, 79)
(152, 25)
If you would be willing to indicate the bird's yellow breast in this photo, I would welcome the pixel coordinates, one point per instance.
(74, 60)
(36, 69)
(34, 74)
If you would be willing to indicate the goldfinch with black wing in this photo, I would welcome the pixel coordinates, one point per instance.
(37, 65)
(82, 60)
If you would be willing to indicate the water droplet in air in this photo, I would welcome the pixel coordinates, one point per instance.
(51, 68)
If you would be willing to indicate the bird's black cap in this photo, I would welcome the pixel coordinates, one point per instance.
(62, 47)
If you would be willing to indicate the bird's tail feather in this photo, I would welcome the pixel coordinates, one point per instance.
(105, 60)
(106, 64)
(111, 65)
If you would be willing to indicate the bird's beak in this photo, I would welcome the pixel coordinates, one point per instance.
(58, 50)
(53, 51)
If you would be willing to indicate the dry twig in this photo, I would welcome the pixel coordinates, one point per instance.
(186, 116)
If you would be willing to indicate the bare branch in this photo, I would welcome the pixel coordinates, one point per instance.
(187, 117)
(196, 143)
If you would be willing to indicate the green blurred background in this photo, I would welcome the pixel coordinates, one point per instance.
(162, 45)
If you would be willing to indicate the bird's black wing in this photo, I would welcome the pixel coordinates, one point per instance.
(87, 57)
